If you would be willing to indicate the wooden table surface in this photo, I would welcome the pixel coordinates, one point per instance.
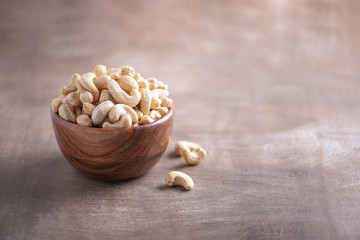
(271, 90)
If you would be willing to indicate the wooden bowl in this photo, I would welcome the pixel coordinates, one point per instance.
(113, 154)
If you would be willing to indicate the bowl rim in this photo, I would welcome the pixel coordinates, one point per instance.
(100, 129)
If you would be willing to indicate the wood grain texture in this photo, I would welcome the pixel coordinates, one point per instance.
(270, 89)
(113, 154)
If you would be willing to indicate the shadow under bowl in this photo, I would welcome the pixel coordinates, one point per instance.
(113, 154)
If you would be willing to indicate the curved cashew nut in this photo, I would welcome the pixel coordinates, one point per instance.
(100, 70)
(145, 101)
(56, 103)
(66, 112)
(152, 83)
(121, 96)
(86, 96)
(87, 81)
(88, 108)
(145, 120)
(124, 122)
(156, 95)
(120, 109)
(154, 115)
(192, 152)
(128, 83)
(163, 110)
(127, 70)
(72, 99)
(165, 101)
(102, 81)
(100, 112)
(179, 178)
(72, 86)
(84, 120)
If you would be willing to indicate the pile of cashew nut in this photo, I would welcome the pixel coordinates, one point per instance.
(112, 98)
(193, 154)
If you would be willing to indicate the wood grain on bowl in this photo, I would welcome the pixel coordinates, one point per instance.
(113, 154)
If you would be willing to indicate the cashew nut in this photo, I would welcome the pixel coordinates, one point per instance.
(84, 120)
(145, 101)
(138, 77)
(87, 81)
(86, 96)
(192, 152)
(121, 96)
(124, 122)
(101, 111)
(153, 83)
(105, 96)
(72, 99)
(155, 102)
(127, 70)
(128, 83)
(145, 120)
(163, 110)
(88, 108)
(100, 70)
(165, 101)
(119, 109)
(102, 81)
(66, 112)
(154, 115)
(72, 86)
(177, 178)
(56, 103)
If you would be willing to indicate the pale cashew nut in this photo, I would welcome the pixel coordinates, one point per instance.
(154, 115)
(105, 96)
(84, 120)
(121, 96)
(156, 95)
(145, 101)
(119, 109)
(66, 112)
(155, 102)
(116, 112)
(56, 103)
(163, 110)
(124, 122)
(100, 70)
(177, 178)
(88, 108)
(138, 77)
(192, 152)
(101, 111)
(145, 120)
(87, 81)
(152, 83)
(128, 83)
(86, 96)
(72, 99)
(165, 101)
(102, 81)
(127, 70)
(72, 86)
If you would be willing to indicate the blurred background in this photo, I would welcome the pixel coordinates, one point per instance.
(269, 88)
